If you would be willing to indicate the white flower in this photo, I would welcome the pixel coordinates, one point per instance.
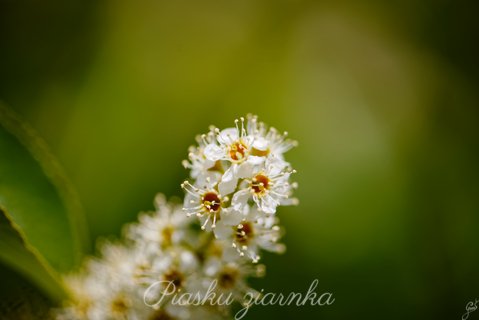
(237, 150)
(233, 145)
(229, 180)
(229, 278)
(268, 141)
(173, 271)
(167, 226)
(84, 291)
(269, 187)
(201, 167)
(255, 232)
(107, 288)
(208, 204)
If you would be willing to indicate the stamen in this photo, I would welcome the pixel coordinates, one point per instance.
(203, 227)
(203, 138)
(243, 130)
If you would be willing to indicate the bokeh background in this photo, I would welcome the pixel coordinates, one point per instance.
(382, 96)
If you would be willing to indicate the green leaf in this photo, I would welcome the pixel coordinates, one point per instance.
(15, 253)
(40, 205)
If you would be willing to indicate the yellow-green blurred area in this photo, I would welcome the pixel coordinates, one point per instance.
(382, 97)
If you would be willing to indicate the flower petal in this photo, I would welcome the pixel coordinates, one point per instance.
(223, 231)
(228, 181)
(213, 152)
(228, 136)
(240, 200)
(232, 217)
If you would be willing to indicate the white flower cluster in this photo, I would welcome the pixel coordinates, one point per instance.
(166, 267)
(160, 257)
(240, 178)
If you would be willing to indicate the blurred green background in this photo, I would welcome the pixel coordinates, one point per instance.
(382, 97)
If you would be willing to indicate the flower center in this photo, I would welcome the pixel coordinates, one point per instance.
(244, 233)
(211, 201)
(175, 277)
(238, 151)
(119, 306)
(227, 277)
(260, 184)
(82, 306)
(160, 314)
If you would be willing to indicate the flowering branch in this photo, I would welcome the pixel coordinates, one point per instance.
(165, 267)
